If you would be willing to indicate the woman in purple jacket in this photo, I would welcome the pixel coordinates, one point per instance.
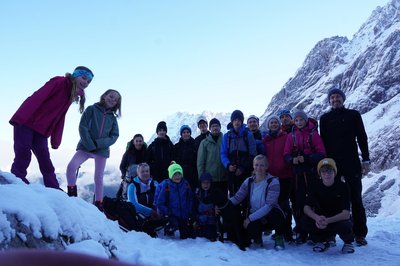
(41, 116)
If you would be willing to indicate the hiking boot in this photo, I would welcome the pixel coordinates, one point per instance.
(347, 248)
(99, 205)
(320, 247)
(361, 241)
(301, 238)
(332, 241)
(72, 191)
(279, 242)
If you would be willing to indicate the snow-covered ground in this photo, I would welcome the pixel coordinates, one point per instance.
(50, 213)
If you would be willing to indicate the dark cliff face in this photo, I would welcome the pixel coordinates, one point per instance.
(367, 69)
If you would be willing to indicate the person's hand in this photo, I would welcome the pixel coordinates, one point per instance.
(246, 223)
(365, 168)
(238, 172)
(232, 168)
(295, 160)
(300, 159)
(321, 222)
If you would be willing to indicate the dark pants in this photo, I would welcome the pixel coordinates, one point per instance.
(221, 186)
(25, 141)
(357, 207)
(274, 220)
(286, 188)
(234, 182)
(208, 231)
(342, 228)
(185, 229)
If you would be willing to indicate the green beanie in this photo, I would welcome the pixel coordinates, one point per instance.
(174, 168)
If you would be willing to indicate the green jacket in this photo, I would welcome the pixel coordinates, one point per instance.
(208, 159)
(98, 130)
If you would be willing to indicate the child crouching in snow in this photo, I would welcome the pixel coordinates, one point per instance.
(206, 219)
(174, 200)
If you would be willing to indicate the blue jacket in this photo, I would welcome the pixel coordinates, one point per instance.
(145, 192)
(239, 152)
(174, 199)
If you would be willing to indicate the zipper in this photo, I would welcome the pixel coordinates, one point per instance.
(102, 124)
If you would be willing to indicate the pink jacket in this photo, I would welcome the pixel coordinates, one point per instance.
(274, 147)
(44, 111)
(304, 142)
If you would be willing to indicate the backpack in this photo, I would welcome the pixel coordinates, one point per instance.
(124, 213)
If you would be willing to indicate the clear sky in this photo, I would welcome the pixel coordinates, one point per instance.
(164, 56)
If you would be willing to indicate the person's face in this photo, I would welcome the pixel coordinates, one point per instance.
(177, 178)
(161, 133)
(138, 143)
(237, 123)
(205, 184)
(252, 124)
(82, 82)
(111, 99)
(144, 173)
(286, 120)
(273, 125)
(336, 101)
(186, 134)
(215, 129)
(299, 122)
(260, 167)
(327, 175)
(203, 126)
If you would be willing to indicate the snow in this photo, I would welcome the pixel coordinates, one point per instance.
(50, 212)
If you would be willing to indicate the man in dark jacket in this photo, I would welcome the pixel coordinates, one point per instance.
(202, 125)
(341, 130)
(159, 153)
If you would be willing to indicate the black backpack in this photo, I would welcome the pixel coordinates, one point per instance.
(124, 212)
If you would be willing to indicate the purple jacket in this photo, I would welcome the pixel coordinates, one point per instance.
(44, 111)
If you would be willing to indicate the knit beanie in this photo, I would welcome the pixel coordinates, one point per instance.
(336, 91)
(284, 112)
(185, 127)
(161, 125)
(201, 119)
(253, 117)
(174, 168)
(237, 114)
(214, 121)
(271, 117)
(205, 177)
(327, 162)
(301, 114)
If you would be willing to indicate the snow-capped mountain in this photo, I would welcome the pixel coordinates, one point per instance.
(175, 121)
(367, 69)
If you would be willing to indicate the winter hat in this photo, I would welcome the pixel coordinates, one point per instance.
(237, 114)
(83, 71)
(185, 127)
(269, 118)
(214, 121)
(336, 91)
(174, 168)
(200, 119)
(205, 177)
(161, 125)
(327, 162)
(253, 117)
(301, 114)
(284, 112)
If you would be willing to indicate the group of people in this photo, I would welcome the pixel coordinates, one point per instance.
(202, 186)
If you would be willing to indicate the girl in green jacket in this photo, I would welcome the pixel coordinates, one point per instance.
(98, 130)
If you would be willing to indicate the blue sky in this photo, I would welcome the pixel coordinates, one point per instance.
(165, 56)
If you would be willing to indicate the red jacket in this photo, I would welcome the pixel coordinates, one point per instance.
(274, 147)
(44, 111)
(305, 142)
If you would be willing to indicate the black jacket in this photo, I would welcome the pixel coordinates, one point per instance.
(159, 157)
(341, 131)
(132, 156)
(185, 154)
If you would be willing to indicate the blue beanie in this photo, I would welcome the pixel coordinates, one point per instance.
(205, 177)
(284, 112)
(336, 91)
(237, 114)
(185, 127)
